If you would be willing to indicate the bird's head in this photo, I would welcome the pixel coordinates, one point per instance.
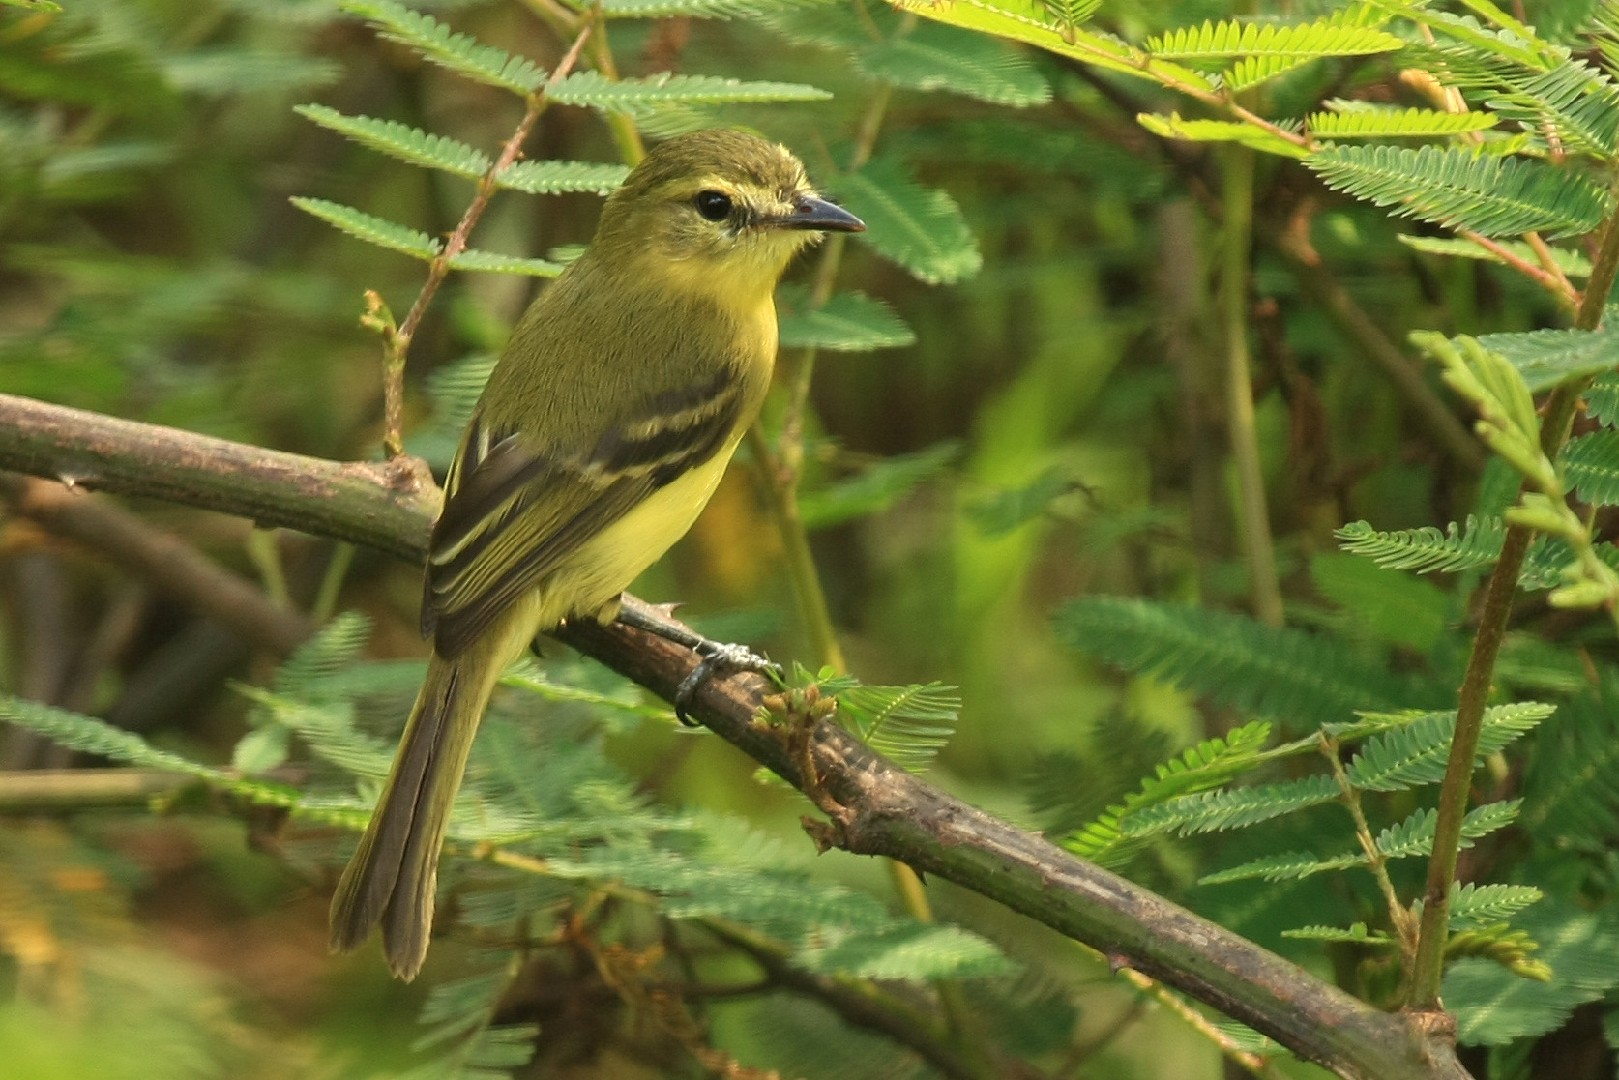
(723, 208)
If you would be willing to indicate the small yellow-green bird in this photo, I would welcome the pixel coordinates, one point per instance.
(600, 436)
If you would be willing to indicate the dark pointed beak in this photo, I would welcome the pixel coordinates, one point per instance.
(812, 212)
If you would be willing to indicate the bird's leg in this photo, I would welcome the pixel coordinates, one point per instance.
(714, 655)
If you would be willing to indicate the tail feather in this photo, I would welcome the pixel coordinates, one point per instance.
(393, 875)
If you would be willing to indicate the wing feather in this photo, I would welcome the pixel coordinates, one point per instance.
(514, 513)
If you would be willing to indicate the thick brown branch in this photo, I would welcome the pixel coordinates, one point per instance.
(880, 810)
(381, 506)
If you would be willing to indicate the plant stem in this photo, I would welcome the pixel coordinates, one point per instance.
(1237, 194)
(1376, 861)
(631, 148)
(398, 341)
(1557, 419)
(796, 555)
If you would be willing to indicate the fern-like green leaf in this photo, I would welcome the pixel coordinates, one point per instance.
(1382, 605)
(1389, 122)
(1571, 789)
(1548, 358)
(676, 9)
(459, 53)
(1480, 905)
(461, 1013)
(493, 262)
(1252, 71)
(90, 735)
(1492, 1006)
(1268, 671)
(1291, 866)
(1591, 464)
(1207, 765)
(1577, 103)
(1067, 16)
(371, 229)
(232, 70)
(592, 89)
(1173, 126)
(1415, 753)
(1353, 934)
(1218, 41)
(920, 229)
(1570, 262)
(401, 141)
(1002, 511)
(909, 725)
(1500, 944)
(936, 57)
(847, 322)
(1216, 811)
(1452, 187)
(1602, 399)
(552, 177)
(1427, 550)
(1413, 837)
(876, 488)
(910, 950)
(1549, 557)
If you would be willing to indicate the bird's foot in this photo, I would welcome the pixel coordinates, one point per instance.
(714, 656)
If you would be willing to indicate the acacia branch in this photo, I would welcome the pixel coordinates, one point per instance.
(877, 808)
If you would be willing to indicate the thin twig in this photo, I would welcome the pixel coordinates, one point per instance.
(1557, 419)
(1237, 175)
(397, 343)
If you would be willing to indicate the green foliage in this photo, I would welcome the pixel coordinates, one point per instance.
(1219, 41)
(1174, 126)
(920, 229)
(847, 322)
(909, 725)
(1487, 195)
(876, 488)
(459, 53)
(1572, 263)
(370, 228)
(1415, 752)
(1209, 764)
(555, 177)
(1547, 358)
(1304, 679)
(1571, 788)
(1602, 399)
(1492, 1006)
(410, 145)
(1358, 120)
(1572, 104)
(933, 57)
(459, 1015)
(596, 91)
(1591, 464)
(1237, 808)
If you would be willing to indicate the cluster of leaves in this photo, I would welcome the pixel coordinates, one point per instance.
(1518, 129)
(556, 830)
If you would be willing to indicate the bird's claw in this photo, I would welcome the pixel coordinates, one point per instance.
(716, 656)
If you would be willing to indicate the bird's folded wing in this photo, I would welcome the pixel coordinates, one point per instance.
(514, 513)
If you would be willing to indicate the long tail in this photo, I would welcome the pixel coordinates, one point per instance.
(392, 877)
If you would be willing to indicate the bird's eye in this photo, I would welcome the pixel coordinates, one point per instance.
(713, 205)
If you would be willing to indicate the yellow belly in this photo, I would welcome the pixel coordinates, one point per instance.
(605, 565)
